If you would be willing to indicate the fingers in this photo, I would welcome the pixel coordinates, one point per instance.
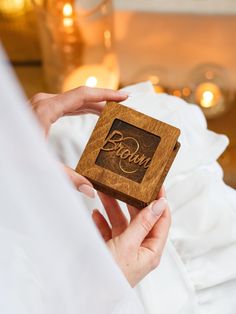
(160, 232)
(86, 98)
(116, 217)
(80, 182)
(162, 192)
(83, 95)
(41, 96)
(102, 225)
(143, 223)
(47, 111)
(94, 108)
(133, 211)
(49, 107)
(84, 111)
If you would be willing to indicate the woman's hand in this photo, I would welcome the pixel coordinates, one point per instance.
(50, 107)
(136, 246)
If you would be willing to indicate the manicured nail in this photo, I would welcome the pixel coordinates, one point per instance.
(87, 190)
(123, 93)
(158, 206)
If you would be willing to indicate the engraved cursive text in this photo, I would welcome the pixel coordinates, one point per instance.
(126, 149)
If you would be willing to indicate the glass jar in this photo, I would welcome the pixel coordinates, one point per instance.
(77, 43)
(211, 89)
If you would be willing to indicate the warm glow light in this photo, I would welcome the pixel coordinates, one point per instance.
(207, 99)
(208, 95)
(107, 34)
(209, 75)
(186, 91)
(154, 79)
(67, 21)
(158, 89)
(177, 93)
(91, 81)
(67, 10)
(107, 38)
(94, 75)
(11, 8)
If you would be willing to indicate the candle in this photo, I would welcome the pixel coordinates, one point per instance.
(93, 76)
(154, 79)
(177, 93)
(208, 95)
(67, 15)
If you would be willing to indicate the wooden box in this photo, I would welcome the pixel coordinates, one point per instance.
(129, 155)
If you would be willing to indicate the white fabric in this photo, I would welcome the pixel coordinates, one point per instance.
(198, 270)
(52, 259)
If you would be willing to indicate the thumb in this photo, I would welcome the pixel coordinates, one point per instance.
(143, 223)
(80, 182)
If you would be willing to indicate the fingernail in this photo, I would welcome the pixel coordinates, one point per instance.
(94, 212)
(123, 93)
(87, 190)
(158, 206)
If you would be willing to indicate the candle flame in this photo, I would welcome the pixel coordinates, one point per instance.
(67, 21)
(107, 38)
(67, 13)
(207, 99)
(177, 93)
(91, 81)
(67, 10)
(186, 91)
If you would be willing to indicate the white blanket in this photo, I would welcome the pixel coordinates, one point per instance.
(198, 270)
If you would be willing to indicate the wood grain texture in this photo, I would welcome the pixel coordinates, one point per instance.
(129, 154)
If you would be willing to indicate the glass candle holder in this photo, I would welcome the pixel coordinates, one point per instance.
(211, 89)
(77, 43)
(156, 75)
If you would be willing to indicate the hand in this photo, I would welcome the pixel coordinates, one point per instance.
(50, 107)
(136, 246)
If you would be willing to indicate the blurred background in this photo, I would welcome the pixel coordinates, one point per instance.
(186, 48)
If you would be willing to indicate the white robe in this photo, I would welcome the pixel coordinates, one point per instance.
(52, 259)
(198, 270)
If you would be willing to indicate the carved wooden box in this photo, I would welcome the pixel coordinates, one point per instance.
(129, 155)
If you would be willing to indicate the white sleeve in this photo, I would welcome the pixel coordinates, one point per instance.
(52, 260)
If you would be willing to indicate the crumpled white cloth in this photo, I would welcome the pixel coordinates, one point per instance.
(198, 269)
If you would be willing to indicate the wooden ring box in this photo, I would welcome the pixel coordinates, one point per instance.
(129, 155)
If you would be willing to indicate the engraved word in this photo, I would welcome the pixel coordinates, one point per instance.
(121, 145)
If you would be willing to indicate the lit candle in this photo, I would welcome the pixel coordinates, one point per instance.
(92, 76)
(154, 79)
(177, 93)
(186, 92)
(67, 15)
(208, 95)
